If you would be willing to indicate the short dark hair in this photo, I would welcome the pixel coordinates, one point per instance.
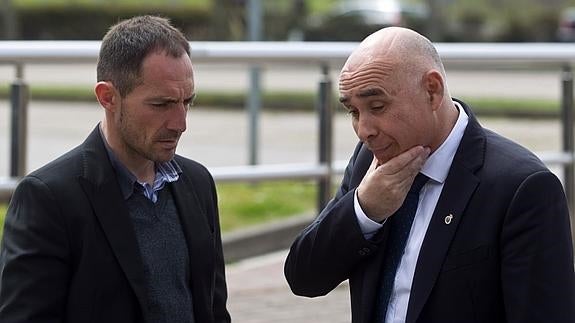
(128, 43)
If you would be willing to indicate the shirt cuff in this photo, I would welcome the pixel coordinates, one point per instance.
(368, 227)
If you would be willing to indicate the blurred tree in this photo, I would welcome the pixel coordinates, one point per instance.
(9, 20)
(219, 19)
(435, 23)
(503, 20)
(298, 16)
(228, 19)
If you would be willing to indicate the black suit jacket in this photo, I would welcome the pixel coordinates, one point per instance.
(69, 252)
(506, 256)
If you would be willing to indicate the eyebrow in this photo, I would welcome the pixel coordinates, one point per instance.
(171, 99)
(363, 94)
(370, 92)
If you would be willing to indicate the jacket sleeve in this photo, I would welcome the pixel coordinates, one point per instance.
(537, 274)
(325, 253)
(34, 265)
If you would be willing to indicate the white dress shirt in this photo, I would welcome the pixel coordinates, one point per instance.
(436, 168)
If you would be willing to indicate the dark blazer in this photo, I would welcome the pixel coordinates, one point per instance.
(506, 256)
(69, 251)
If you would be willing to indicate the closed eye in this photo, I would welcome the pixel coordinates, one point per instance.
(353, 112)
(189, 103)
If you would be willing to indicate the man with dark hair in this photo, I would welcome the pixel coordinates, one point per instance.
(437, 219)
(121, 229)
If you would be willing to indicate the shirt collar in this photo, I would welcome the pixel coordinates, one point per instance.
(168, 171)
(439, 162)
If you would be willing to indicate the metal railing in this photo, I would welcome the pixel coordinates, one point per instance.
(324, 56)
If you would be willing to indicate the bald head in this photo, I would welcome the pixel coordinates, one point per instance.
(394, 86)
(402, 49)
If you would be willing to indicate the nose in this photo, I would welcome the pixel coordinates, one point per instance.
(177, 117)
(365, 128)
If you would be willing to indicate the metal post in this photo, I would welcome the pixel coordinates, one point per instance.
(568, 139)
(254, 97)
(254, 103)
(19, 122)
(325, 116)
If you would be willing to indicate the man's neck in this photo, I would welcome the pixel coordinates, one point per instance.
(143, 169)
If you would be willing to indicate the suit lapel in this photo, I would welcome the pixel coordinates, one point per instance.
(458, 189)
(101, 187)
(454, 198)
(360, 165)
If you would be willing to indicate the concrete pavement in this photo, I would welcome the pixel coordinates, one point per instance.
(258, 293)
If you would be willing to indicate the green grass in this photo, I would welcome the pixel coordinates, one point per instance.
(511, 107)
(304, 101)
(245, 204)
(279, 100)
(3, 208)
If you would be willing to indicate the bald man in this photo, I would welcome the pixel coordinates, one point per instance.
(490, 237)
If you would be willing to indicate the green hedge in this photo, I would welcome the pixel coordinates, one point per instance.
(91, 23)
(466, 20)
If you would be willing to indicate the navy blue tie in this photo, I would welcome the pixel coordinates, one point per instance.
(400, 225)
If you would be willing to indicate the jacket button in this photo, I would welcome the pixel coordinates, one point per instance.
(364, 251)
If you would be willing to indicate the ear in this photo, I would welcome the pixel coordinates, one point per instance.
(435, 87)
(107, 95)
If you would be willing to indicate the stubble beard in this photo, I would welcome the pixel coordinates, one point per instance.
(134, 142)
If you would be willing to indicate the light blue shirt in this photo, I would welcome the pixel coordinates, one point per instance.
(436, 168)
(165, 173)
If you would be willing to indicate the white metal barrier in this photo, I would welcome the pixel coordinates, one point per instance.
(316, 53)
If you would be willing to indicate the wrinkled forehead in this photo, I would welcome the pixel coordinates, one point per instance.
(368, 73)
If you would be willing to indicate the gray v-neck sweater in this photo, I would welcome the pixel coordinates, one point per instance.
(165, 257)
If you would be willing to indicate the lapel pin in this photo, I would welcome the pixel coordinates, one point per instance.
(448, 219)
